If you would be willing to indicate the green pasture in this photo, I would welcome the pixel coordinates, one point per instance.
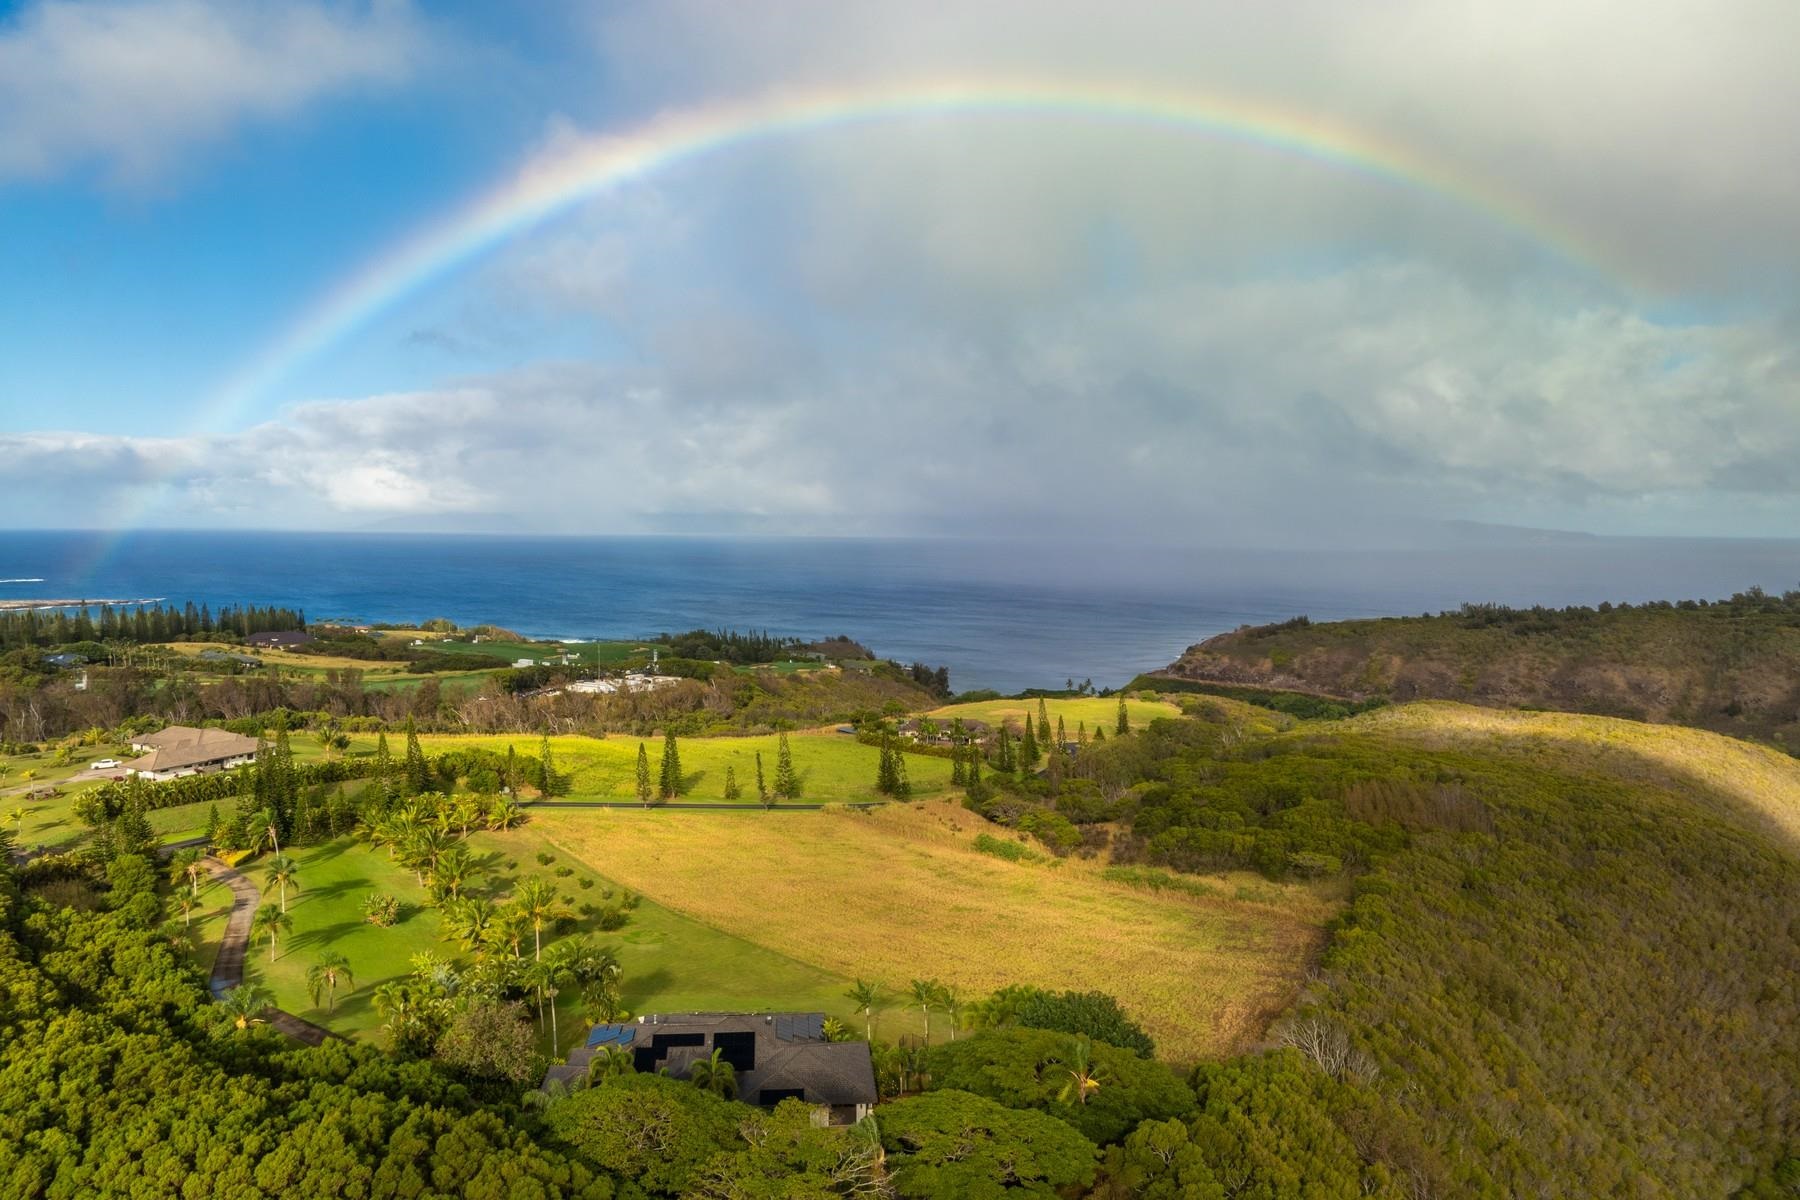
(670, 962)
(833, 767)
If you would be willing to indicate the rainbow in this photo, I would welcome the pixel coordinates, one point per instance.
(558, 180)
(554, 181)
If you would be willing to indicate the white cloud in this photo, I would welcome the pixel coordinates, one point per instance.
(1298, 409)
(128, 86)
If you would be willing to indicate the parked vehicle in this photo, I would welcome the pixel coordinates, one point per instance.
(105, 764)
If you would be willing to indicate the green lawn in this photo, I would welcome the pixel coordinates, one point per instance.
(833, 767)
(611, 654)
(185, 820)
(48, 822)
(670, 962)
(390, 683)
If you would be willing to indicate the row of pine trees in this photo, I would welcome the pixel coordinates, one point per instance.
(154, 623)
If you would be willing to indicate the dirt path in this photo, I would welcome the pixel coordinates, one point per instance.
(228, 967)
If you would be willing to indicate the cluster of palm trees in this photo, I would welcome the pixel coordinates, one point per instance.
(427, 834)
(928, 995)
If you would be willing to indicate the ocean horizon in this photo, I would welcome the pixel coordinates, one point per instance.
(1002, 614)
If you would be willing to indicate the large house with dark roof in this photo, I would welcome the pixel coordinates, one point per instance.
(776, 1057)
(286, 640)
(183, 750)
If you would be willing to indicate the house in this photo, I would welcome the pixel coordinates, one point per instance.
(777, 1056)
(522, 663)
(183, 750)
(221, 657)
(279, 641)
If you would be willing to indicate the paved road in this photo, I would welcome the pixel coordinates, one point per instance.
(228, 968)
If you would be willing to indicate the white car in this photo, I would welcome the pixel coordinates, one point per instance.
(105, 764)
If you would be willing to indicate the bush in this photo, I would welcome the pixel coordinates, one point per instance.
(381, 909)
(1095, 1014)
(1006, 848)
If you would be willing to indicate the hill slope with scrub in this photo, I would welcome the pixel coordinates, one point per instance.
(1732, 666)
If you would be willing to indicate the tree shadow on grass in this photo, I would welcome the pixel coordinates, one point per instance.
(332, 850)
(640, 988)
(325, 935)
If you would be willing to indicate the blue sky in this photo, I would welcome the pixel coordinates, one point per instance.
(936, 325)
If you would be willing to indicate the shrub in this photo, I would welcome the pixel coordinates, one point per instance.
(381, 909)
(1011, 851)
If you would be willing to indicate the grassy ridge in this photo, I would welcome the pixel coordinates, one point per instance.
(1732, 666)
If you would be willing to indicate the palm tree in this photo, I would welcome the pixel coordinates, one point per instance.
(609, 1062)
(539, 975)
(925, 995)
(951, 1002)
(423, 851)
(505, 814)
(186, 905)
(507, 928)
(283, 873)
(866, 995)
(243, 1005)
(713, 1074)
(912, 1065)
(272, 922)
(17, 817)
(455, 866)
(332, 970)
(537, 899)
(468, 921)
(190, 865)
(263, 832)
(400, 1004)
(1077, 1062)
(466, 811)
(395, 830)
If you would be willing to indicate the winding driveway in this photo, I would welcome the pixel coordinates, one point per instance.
(228, 967)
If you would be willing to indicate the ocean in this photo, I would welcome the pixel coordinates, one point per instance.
(1000, 614)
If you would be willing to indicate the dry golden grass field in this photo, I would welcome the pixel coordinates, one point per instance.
(1752, 781)
(901, 893)
(1096, 712)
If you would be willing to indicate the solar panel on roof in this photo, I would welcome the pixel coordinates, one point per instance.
(738, 1049)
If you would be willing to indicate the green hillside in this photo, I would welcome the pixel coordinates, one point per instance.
(1731, 666)
(1578, 975)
